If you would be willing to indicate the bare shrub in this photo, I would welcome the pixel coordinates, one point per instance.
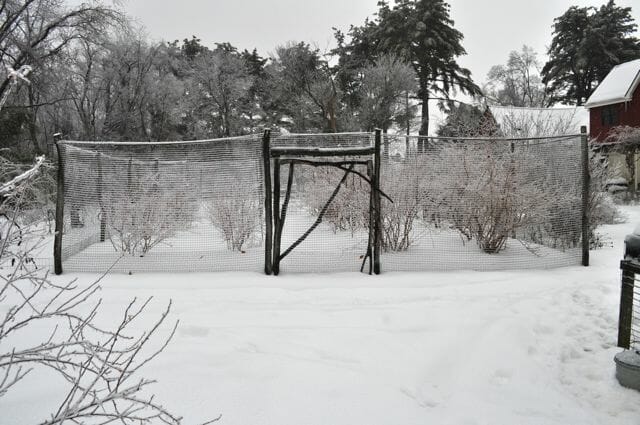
(486, 193)
(148, 211)
(602, 208)
(407, 184)
(96, 366)
(625, 140)
(237, 216)
(349, 210)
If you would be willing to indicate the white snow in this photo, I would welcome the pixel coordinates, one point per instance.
(519, 347)
(618, 86)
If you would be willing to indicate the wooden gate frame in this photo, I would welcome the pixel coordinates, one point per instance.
(275, 216)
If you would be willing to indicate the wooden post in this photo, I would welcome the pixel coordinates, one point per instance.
(266, 169)
(377, 205)
(369, 253)
(103, 218)
(57, 242)
(276, 217)
(626, 304)
(585, 194)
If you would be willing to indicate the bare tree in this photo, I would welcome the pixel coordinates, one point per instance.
(517, 83)
(536, 122)
(37, 33)
(99, 366)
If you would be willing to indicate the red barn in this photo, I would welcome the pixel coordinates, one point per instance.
(616, 101)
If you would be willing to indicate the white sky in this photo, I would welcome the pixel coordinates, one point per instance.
(491, 28)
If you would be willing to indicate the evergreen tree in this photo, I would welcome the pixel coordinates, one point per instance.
(258, 98)
(464, 120)
(587, 43)
(305, 89)
(422, 33)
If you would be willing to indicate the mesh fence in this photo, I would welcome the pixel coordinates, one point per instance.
(481, 204)
(199, 206)
(177, 206)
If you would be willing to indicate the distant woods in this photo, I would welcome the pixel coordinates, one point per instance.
(96, 77)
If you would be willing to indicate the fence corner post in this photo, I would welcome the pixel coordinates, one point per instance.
(377, 233)
(57, 242)
(266, 165)
(586, 182)
(625, 317)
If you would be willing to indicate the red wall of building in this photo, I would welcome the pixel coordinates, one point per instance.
(629, 114)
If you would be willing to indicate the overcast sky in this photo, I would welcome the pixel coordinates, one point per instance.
(491, 28)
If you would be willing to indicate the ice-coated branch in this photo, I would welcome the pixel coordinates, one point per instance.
(99, 365)
(8, 188)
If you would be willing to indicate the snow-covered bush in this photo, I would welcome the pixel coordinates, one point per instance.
(349, 210)
(238, 216)
(602, 208)
(408, 184)
(486, 193)
(148, 211)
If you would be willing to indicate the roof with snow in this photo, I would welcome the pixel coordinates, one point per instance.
(618, 86)
(538, 122)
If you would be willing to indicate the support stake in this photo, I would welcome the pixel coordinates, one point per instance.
(266, 169)
(626, 304)
(377, 205)
(103, 213)
(276, 216)
(57, 242)
(586, 181)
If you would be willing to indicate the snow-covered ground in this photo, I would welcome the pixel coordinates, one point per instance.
(521, 347)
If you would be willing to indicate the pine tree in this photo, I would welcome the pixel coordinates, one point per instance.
(422, 33)
(587, 43)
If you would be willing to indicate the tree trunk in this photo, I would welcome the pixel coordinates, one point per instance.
(424, 125)
(407, 124)
(33, 127)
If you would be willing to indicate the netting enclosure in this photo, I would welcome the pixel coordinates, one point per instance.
(484, 204)
(327, 202)
(175, 206)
